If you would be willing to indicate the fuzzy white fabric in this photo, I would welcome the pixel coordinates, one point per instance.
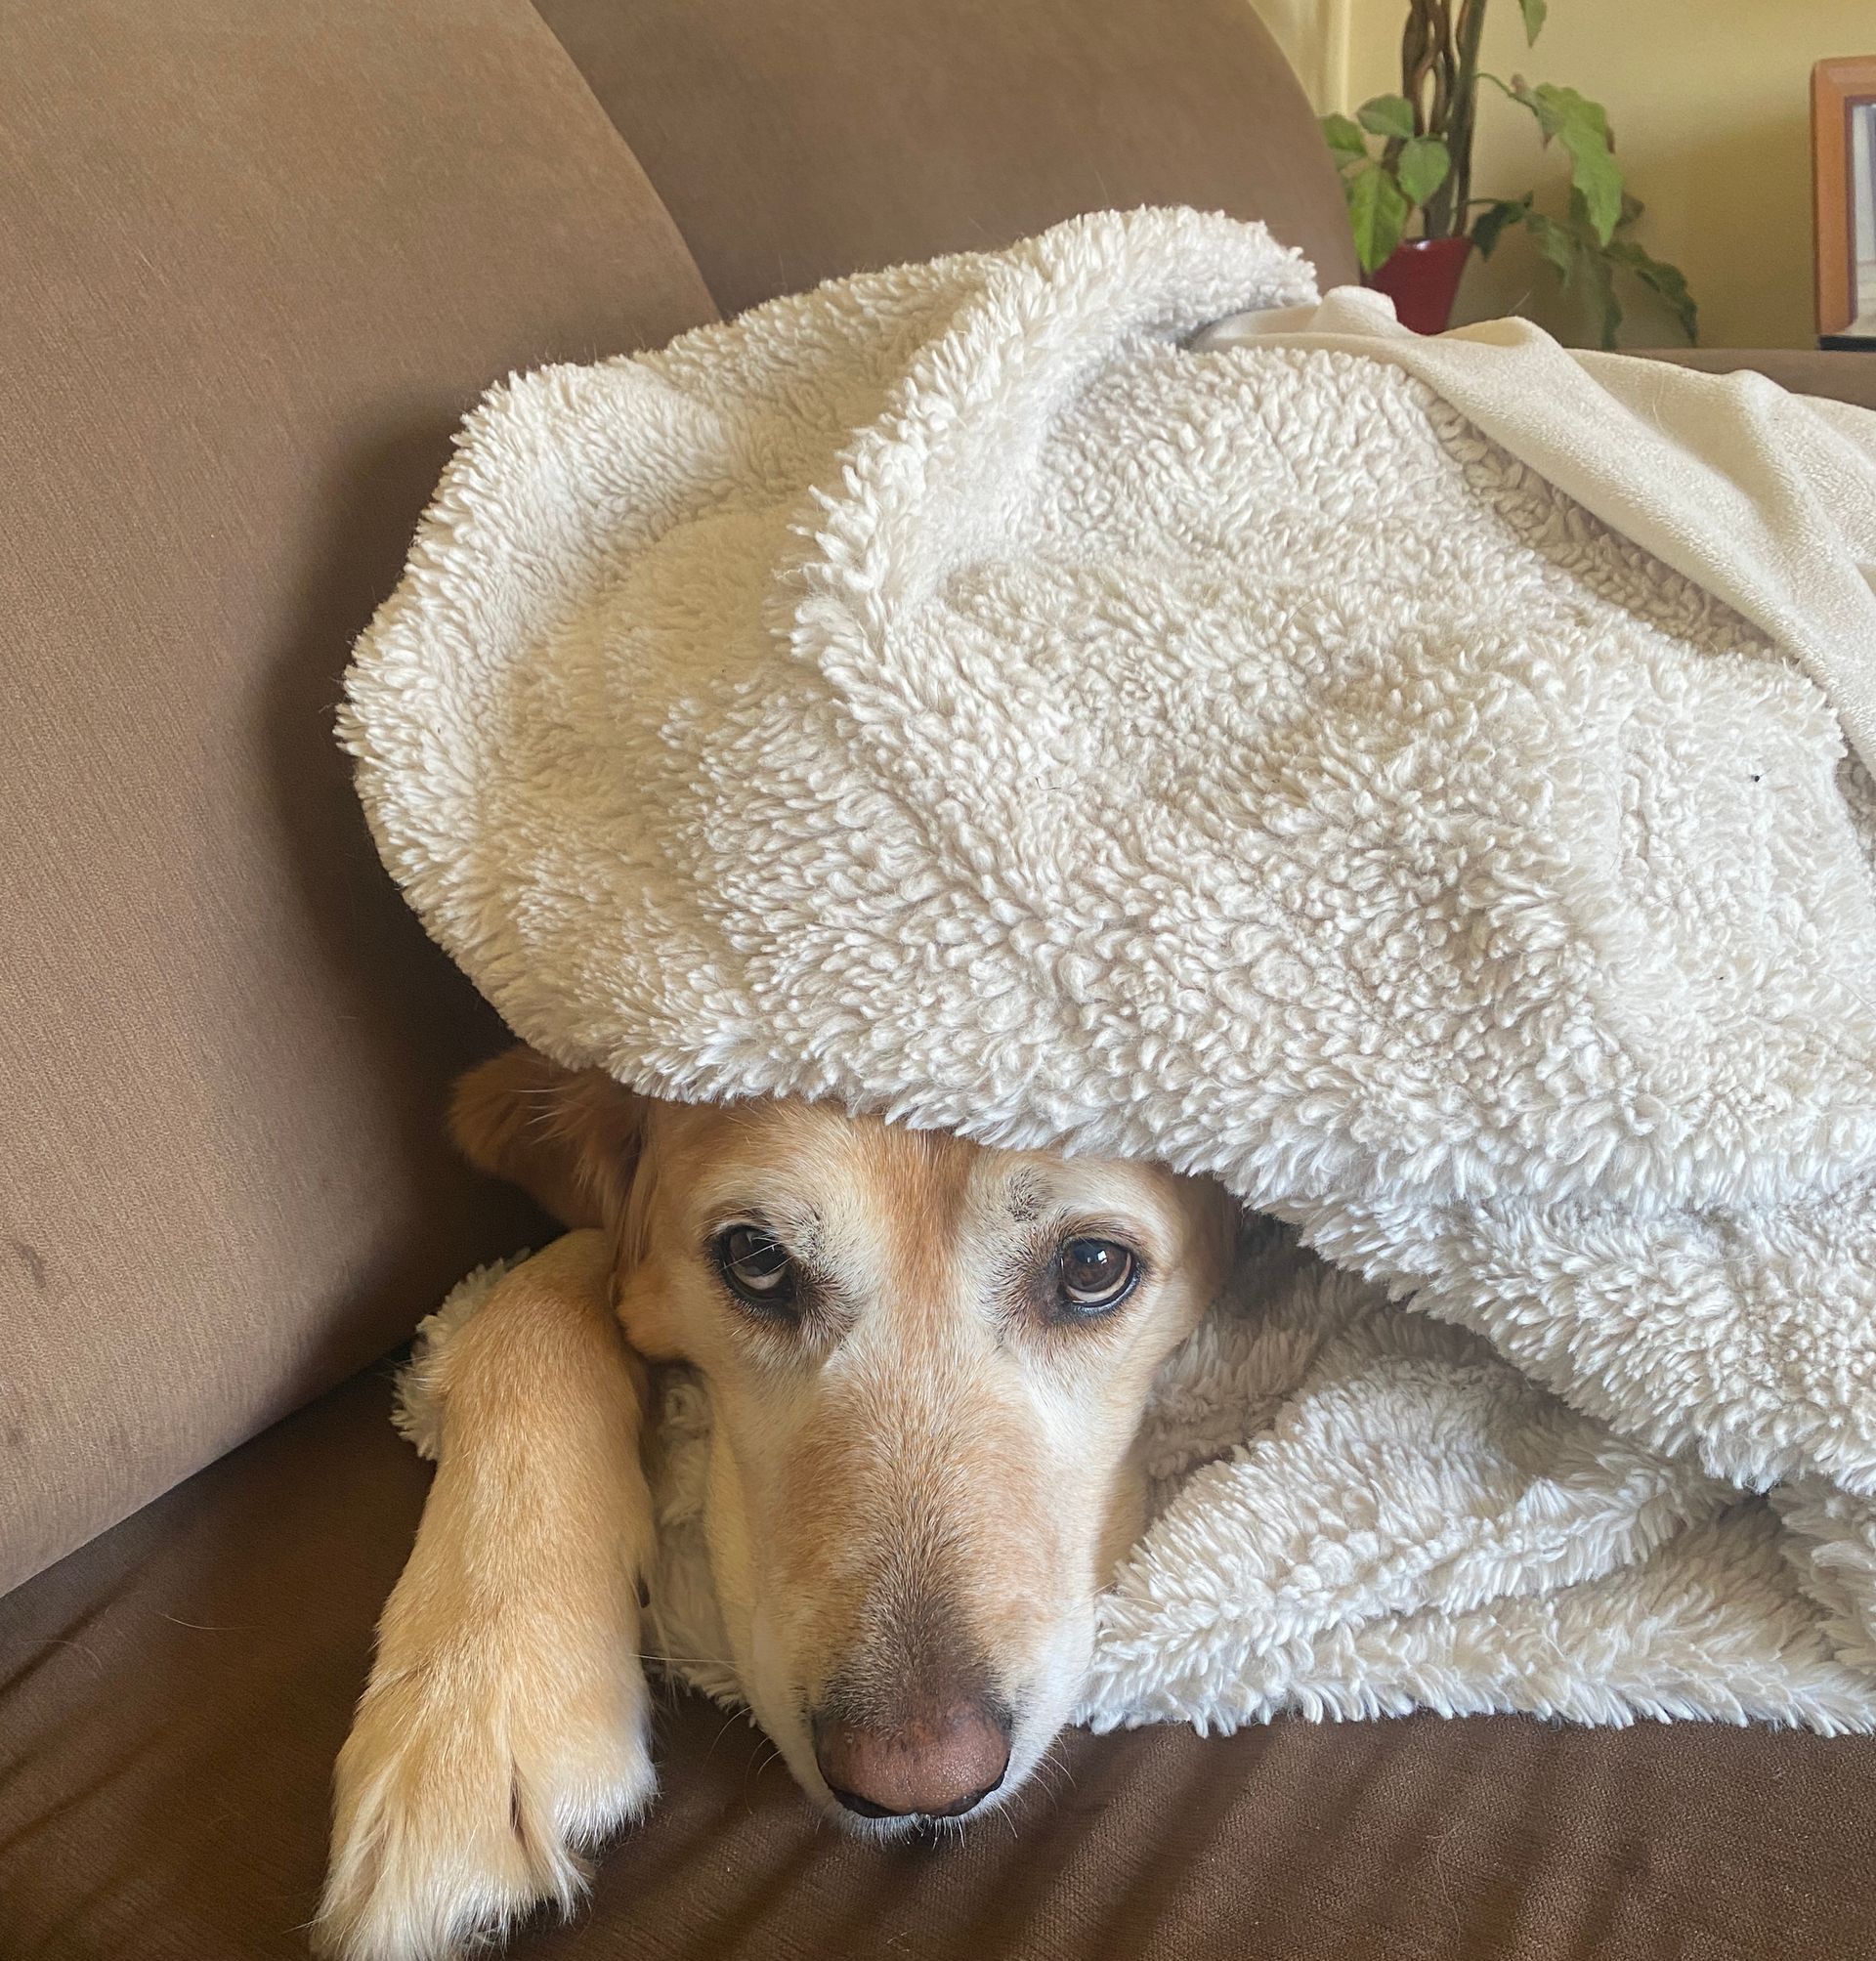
(951, 693)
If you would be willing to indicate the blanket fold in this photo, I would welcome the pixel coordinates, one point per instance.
(1358, 769)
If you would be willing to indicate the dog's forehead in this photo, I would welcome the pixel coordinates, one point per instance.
(816, 1160)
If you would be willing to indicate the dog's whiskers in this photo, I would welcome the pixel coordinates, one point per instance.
(735, 1716)
(758, 1763)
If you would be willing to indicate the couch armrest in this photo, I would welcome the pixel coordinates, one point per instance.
(1840, 377)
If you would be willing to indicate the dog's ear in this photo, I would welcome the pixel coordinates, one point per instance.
(569, 1138)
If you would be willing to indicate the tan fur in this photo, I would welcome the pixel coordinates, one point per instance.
(569, 1140)
(913, 1496)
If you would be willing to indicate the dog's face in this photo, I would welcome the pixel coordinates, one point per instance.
(927, 1363)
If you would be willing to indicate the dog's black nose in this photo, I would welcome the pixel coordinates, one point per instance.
(935, 1762)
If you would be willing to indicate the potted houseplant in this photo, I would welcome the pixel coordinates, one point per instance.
(1412, 154)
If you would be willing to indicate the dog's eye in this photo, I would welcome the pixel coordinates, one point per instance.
(1092, 1275)
(757, 1268)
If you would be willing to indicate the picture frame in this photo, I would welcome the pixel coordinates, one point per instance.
(1843, 152)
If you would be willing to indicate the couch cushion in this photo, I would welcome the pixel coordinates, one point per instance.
(258, 262)
(794, 142)
(172, 1697)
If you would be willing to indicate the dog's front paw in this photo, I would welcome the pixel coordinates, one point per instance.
(466, 1793)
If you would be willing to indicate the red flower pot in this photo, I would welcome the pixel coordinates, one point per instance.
(1421, 277)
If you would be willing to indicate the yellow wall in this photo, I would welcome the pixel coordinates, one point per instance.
(1314, 35)
(1710, 103)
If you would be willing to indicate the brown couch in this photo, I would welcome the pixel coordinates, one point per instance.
(257, 262)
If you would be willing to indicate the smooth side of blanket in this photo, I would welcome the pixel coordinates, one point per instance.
(1766, 498)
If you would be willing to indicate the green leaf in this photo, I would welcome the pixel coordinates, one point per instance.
(1599, 293)
(1492, 223)
(1557, 242)
(1343, 134)
(1666, 281)
(1377, 210)
(1387, 115)
(1582, 127)
(1544, 101)
(1597, 178)
(1422, 167)
(1534, 12)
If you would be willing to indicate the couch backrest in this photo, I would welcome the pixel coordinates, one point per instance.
(797, 139)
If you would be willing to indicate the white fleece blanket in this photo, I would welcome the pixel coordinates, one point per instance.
(1405, 779)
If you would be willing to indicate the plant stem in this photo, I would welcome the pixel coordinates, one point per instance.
(1447, 208)
(1428, 57)
(1471, 32)
(1416, 57)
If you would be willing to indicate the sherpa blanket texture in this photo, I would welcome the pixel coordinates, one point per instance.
(957, 693)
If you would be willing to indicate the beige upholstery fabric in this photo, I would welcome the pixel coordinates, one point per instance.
(793, 143)
(1843, 377)
(257, 263)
